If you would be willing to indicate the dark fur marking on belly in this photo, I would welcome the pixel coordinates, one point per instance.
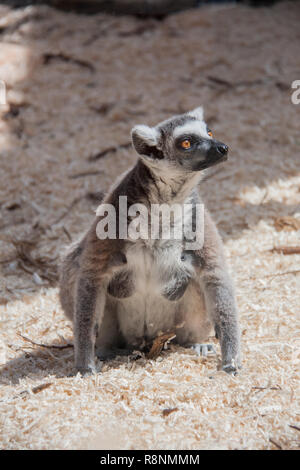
(176, 289)
(117, 259)
(121, 286)
(191, 256)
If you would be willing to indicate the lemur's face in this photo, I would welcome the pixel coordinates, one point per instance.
(184, 141)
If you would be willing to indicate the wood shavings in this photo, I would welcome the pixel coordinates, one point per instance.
(37, 389)
(46, 266)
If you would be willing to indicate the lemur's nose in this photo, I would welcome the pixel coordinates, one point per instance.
(222, 148)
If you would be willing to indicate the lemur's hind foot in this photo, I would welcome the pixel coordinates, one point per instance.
(232, 368)
(86, 371)
(204, 350)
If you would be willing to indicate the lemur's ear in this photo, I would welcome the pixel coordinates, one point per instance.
(144, 139)
(197, 113)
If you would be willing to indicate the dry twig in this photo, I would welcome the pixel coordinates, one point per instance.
(49, 57)
(275, 443)
(287, 223)
(42, 345)
(167, 411)
(159, 343)
(111, 149)
(286, 250)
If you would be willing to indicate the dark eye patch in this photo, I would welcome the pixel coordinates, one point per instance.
(193, 139)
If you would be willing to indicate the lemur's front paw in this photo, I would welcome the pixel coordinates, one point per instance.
(232, 367)
(203, 349)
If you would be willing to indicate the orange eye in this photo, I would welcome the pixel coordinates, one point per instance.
(210, 133)
(186, 144)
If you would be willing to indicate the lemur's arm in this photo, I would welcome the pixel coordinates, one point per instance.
(85, 324)
(219, 296)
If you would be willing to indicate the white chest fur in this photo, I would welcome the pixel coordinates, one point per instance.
(147, 312)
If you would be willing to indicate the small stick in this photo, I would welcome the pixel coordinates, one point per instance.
(295, 271)
(67, 233)
(220, 81)
(69, 208)
(42, 345)
(286, 250)
(95, 196)
(267, 388)
(294, 427)
(168, 411)
(159, 343)
(41, 387)
(34, 390)
(85, 173)
(104, 152)
(48, 57)
(275, 443)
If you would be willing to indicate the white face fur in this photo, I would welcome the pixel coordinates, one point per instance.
(197, 127)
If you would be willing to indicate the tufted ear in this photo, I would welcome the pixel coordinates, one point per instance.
(197, 113)
(144, 139)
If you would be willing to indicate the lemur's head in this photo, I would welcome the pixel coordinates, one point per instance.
(183, 141)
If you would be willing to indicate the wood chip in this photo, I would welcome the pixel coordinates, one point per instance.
(287, 223)
(286, 250)
(159, 343)
(167, 411)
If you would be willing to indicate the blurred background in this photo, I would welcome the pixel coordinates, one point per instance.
(76, 83)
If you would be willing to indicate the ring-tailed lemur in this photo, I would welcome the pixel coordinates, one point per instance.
(121, 292)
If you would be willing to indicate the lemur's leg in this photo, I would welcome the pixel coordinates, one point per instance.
(219, 296)
(89, 299)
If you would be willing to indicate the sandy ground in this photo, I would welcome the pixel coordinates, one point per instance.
(75, 87)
